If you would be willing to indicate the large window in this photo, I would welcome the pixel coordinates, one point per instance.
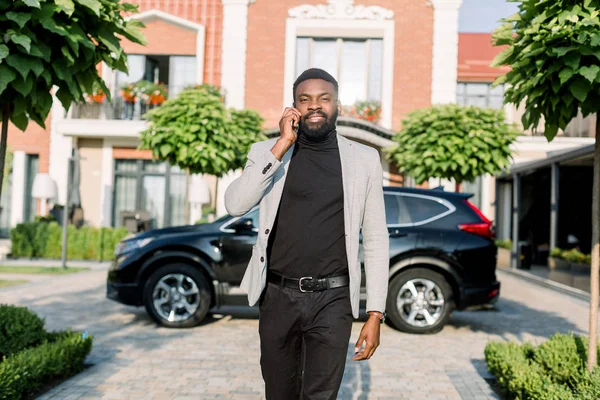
(357, 64)
(30, 203)
(480, 95)
(144, 185)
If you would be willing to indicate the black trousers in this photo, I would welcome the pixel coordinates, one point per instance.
(304, 341)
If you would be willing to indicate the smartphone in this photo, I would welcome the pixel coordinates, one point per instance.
(294, 126)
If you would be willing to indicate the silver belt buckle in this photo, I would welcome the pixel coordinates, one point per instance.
(300, 284)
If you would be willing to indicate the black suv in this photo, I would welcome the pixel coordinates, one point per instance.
(442, 257)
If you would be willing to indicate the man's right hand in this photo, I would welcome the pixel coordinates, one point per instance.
(288, 135)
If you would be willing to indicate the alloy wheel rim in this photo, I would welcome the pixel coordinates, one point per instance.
(176, 297)
(420, 302)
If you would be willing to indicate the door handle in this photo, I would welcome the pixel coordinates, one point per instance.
(397, 233)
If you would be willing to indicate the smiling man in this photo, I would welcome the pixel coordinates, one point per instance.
(316, 191)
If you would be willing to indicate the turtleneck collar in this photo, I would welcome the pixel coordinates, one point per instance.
(327, 141)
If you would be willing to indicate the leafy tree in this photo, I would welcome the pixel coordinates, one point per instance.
(47, 43)
(553, 49)
(196, 132)
(452, 142)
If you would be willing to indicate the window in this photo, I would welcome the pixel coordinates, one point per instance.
(182, 73)
(422, 209)
(480, 95)
(154, 187)
(395, 210)
(357, 64)
(33, 167)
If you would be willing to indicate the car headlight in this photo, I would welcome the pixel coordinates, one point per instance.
(130, 245)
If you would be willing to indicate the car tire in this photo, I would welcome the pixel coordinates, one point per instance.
(406, 312)
(177, 296)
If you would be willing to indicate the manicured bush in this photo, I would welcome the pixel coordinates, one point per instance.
(554, 370)
(24, 373)
(44, 240)
(19, 329)
(573, 255)
(504, 243)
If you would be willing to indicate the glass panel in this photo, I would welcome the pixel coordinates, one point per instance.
(460, 88)
(422, 209)
(33, 167)
(177, 198)
(325, 56)
(153, 199)
(182, 73)
(375, 70)
(5, 204)
(302, 55)
(176, 170)
(353, 81)
(391, 209)
(126, 165)
(497, 91)
(477, 89)
(496, 102)
(478, 101)
(154, 166)
(125, 197)
(137, 69)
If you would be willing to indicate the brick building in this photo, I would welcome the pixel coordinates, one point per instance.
(402, 54)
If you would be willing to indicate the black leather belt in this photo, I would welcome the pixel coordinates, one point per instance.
(308, 284)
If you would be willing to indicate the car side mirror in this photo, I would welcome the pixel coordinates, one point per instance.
(243, 225)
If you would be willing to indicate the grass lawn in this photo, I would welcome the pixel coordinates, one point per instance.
(40, 270)
(4, 284)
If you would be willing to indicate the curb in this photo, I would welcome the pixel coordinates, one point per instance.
(559, 287)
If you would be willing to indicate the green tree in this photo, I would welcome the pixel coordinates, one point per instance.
(196, 132)
(452, 142)
(553, 49)
(47, 43)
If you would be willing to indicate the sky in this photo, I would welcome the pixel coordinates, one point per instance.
(483, 15)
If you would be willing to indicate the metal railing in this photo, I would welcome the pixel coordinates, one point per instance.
(117, 109)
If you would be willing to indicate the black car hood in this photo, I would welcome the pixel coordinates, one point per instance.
(179, 230)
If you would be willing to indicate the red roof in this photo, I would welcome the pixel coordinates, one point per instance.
(475, 54)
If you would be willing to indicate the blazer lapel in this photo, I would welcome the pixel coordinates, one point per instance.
(278, 183)
(346, 157)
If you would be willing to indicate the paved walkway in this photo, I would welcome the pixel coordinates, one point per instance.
(134, 359)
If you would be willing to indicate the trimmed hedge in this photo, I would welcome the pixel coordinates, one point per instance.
(19, 329)
(25, 373)
(555, 370)
(44, 240)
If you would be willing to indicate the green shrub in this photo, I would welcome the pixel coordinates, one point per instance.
(24, 373)
(554, 370)
(19, 329)
(573, 255)
(44, 240)
(563, 357)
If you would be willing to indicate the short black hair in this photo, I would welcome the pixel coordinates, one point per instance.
(315, 73)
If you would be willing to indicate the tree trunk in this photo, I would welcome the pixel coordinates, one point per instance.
(3, 139)
(186, 202)
(595, 269)
(458, 187)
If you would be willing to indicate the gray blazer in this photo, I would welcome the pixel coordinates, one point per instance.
(262, 183)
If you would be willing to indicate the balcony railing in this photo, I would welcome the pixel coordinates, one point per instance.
(118, 109)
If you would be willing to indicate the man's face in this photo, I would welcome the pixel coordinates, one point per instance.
(316, 99)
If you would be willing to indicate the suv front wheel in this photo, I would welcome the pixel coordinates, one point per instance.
(177, 296)
(419, 301)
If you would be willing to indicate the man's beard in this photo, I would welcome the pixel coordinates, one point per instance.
(322, 130)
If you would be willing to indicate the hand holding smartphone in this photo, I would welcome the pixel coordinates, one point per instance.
(288, 128)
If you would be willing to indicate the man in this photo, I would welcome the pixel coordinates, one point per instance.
(316, 190)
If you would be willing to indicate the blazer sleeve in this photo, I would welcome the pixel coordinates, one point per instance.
(376, 241)
(247, 191)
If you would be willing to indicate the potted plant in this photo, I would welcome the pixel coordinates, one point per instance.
(578, 261)
(556, 260)
(158, 94)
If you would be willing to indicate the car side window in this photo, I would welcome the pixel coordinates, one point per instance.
(395, 210)
(422, 209)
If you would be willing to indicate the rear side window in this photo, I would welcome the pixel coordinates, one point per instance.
(422, 209)
(395, 210)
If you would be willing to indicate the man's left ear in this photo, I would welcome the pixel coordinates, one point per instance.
(339, 106)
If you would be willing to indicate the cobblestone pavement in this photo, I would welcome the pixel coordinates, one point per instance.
(132, 358)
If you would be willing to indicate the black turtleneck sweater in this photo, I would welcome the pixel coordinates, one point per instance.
(308, 237)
